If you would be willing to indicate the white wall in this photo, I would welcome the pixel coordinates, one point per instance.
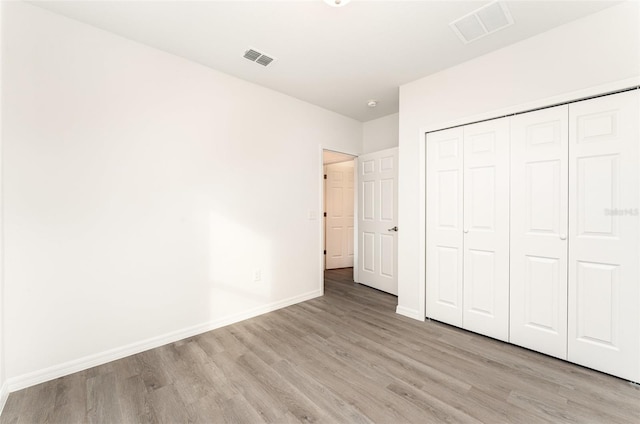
(142, 191)
(599, 50)
(380, 134)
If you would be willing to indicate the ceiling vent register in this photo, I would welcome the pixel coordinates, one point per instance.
(258, 57)
(482, 22)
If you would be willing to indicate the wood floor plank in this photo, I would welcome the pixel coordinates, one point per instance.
(234, 410)
(434, 410)
(71, 398)
(13, 408)
(268, 407)
(168, 406)
(256, 344)
(332, 404)
(152, 372)
(103, 404)
(135, 404)
(345, 357)
(43, 396)
(376, 410)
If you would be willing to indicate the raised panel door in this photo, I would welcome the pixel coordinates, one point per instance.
(486, 228)
(604, 234)
(378, 211)
(444, 184)
(339, 215)
(539, 196)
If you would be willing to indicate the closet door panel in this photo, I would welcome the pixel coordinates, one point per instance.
(486, 228)
(539, 211)
(604, 234)
(444, 226)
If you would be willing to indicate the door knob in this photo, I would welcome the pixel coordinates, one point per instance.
(393, 229)
(563, 236)
(466, 231)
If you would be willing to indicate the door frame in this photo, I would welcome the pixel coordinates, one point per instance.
(321, 220)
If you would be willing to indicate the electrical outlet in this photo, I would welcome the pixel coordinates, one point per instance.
(257, 275)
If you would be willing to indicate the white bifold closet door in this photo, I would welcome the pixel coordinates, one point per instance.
(486, 228)
(444, 225)
(539, 196)
(468, 227)
(604, 234)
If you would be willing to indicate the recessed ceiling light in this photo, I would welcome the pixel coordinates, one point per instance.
(337, 3)
(372, 103)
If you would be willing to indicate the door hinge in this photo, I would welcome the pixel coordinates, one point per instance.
(325, 176)
(325, 252)
(325, 214)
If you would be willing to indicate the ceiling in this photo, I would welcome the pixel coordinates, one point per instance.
(336, 58)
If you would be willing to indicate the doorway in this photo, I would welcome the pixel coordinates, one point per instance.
(339, 211)
(359, 228)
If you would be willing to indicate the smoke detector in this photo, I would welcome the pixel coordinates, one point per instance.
(337, 3)
(372, 103)
(258, 57)
(481, 22)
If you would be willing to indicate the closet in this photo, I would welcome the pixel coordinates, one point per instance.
(533, 230)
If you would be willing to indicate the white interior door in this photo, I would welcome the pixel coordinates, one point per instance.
(604, 234)
(339, 220)
(539, 196)
(377, 220)
(444, 239)
(486, 228)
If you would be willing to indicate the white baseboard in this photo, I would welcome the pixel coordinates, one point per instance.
(410, 313)
(70, 367)
(4, 395)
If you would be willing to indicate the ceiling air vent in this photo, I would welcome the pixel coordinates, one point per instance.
(258, 57)
(251, 55)
(482, 22)
(264, 60)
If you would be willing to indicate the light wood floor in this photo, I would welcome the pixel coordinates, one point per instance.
(343, 358)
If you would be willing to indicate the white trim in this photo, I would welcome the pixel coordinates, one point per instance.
(356, 238)
(4, 388)
(4, 395)
(422, 228)
(409, 313)
(536, 104)
(70, 367)
(321, 223)
(545, 102)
